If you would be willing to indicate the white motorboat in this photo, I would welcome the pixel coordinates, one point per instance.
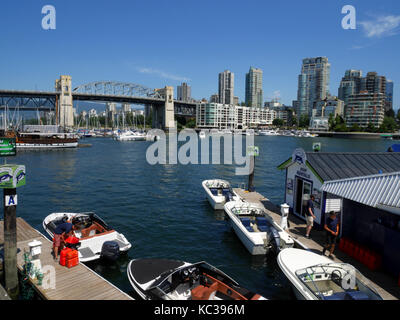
(129, 135)
(258, 231)
(218, 193)
(92, 233)
(268, 133)
(316, 277)
(163, 279)
(202, 134)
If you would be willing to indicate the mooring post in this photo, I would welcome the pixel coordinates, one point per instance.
(251, 174)
(10, 242)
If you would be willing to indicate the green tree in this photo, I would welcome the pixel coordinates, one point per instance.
(355, 128)
(304, 121)
(371, 127)
(191, 123)
(388, 125)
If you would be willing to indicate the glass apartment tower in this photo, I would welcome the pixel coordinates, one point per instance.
(254, 91)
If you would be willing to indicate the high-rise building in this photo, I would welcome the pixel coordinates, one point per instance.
(350, 84)
(254, 91)
(365, 108)
(226, 84)
(214, 98)
(313, 84)
(184, 92)
(373, 83)
(236, 101)
(389, 94)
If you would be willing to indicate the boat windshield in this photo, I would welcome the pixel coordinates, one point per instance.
(337, 281)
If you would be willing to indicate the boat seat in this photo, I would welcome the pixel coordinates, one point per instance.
(262, 224)
(246, 223)
(203, 293)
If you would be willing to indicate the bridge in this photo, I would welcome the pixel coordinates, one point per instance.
(161, 101)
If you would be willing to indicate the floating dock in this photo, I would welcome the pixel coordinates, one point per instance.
(77, 283)
(297, 229)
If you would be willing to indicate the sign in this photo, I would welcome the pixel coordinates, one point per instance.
(8, 147)
(11, 200)
(299, 156)
(316, 146)
(253, 151)
(12, 176)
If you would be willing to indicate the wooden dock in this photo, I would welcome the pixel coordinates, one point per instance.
(77, 283)
(386, 285)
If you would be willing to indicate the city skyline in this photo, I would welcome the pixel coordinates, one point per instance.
(79, 50)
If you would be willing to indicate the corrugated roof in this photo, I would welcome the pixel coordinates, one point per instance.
(336, 166)
(373, 190)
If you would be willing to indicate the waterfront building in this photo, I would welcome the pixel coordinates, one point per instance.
(389, 95)
(184, 92)
(254, 88)
(111, 110)
(65, 114)
(373, 83)
(236, 100)
(224, 116)
(365, 108)
(335, 180)
(313, 84)
(92, 113)
(281, 111)
(226, 83)
(350, 84)
(331, 105)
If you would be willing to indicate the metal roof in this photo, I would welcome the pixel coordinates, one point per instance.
(335, 166)
(382, 190)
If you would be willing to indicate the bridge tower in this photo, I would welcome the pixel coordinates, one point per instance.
(64, 111)
(164, 116)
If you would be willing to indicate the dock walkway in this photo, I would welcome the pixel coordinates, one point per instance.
(77, 283)
(385, 285)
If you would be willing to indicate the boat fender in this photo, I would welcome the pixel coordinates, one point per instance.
(110, 250)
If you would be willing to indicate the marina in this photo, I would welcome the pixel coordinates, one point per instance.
(77, 283)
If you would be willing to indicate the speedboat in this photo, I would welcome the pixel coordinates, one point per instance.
(92, 233)
(163, 279)
(316, 277)
(218, 193)
(129, 135)
(259, 233)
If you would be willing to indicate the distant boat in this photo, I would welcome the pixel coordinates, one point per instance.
(92, 232)
(43, 137)
(268, 133)
(257, 231)
(163, 279)
(218, 192)
(129, 135)
(316, 277)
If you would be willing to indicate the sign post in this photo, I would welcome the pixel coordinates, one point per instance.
(11, 177)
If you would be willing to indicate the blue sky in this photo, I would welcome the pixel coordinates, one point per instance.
(158, 43)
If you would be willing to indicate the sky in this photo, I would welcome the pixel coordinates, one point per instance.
(158, 43)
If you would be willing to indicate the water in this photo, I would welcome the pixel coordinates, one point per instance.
(162, 209)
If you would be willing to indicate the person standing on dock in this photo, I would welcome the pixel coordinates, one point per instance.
(332, 230)
(310, 215)
(62, 231)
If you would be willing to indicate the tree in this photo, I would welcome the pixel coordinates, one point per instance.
(388, 125)
(390, 113)
(278, 122)
(371, 127)
(191, 123)
(355, 128)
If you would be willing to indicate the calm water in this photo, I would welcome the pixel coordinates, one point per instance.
(162, 209)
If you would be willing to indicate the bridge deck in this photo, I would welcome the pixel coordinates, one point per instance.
(77, 283)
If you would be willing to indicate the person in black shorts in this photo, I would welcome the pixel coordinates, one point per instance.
(332, 230)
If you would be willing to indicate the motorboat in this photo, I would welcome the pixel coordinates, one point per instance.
(129, 135)
(202, 134)
(268, 133)
(218, 192)
(259, 233)
(316, 277)
(163, 279)
(92, 233)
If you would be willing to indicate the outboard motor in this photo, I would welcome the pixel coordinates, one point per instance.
(110, 251)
